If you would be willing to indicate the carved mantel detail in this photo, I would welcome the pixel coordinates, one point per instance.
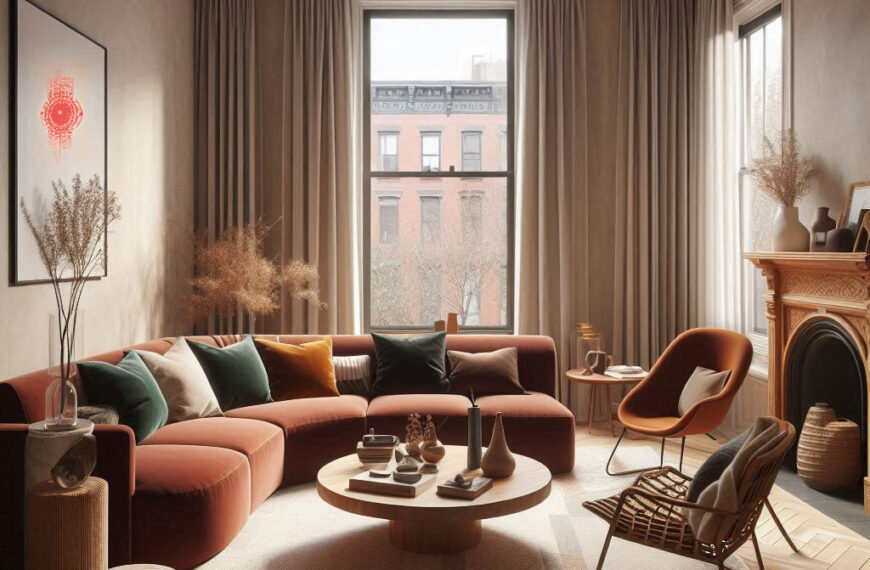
(806, 286)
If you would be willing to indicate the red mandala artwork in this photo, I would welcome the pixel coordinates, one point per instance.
(61, 113)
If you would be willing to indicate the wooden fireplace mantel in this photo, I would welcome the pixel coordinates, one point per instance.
(801, 288)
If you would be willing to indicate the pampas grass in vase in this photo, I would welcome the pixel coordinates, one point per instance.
(783, 175)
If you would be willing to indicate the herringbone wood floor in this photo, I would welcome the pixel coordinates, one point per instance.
(823, 542)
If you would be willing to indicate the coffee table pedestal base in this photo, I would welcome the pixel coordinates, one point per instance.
(435, 538)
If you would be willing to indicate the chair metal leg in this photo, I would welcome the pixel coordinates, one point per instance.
(757, 551)
(631, 471)
(682, 449)
(711, 436)
(779, 525)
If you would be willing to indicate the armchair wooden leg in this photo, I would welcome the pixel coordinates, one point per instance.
(604, 549)
(779, 525)
(757, 551)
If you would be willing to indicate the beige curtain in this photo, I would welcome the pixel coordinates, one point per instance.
(672, 170)
(274, 141)
(225, 124)
(307, 132)
(551, 173)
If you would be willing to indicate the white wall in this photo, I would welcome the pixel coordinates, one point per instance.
(150, 167)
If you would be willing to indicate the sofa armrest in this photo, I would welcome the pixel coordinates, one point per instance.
(115, 464)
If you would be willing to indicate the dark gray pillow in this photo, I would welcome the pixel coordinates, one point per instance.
(711, 470)
(411, 364)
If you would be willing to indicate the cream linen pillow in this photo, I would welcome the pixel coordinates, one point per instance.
(702, 384)
(182, 382)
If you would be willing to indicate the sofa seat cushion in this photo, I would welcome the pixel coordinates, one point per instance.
(190, 502)
(316, 430)
(535, 425)
(262, 443)
(389, 415)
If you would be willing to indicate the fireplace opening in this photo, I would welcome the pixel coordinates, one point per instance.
(824, 365)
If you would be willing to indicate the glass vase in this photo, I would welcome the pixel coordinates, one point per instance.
(61, 398)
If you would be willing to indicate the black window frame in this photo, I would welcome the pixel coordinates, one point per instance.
(508, 173)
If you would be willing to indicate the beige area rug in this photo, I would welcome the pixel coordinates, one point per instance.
(294, 529)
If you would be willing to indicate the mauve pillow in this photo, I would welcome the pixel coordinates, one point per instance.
(702, 384)
(410, 364)
(493, 372)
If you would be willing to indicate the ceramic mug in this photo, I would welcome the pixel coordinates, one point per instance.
(596, 361)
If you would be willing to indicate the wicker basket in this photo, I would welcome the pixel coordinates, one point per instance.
(829, 451)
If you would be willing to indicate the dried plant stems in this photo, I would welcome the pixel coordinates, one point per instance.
(70, 237)
(233, 274)
(781, 173)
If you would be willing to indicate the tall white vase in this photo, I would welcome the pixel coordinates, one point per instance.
(789, 234)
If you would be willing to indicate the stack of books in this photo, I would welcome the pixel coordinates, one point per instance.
(623, 372)
(367, 483)
(368, 453)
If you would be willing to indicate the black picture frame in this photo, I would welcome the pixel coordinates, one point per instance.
(15, 98)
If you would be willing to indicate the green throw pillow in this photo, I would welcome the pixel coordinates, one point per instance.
(130, 389)
(411, 364)
(236, 373)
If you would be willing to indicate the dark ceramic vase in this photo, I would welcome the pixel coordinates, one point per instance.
(819, 232)
(840, 240)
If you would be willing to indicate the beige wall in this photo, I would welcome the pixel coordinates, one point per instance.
(150, 156)
(832, 96)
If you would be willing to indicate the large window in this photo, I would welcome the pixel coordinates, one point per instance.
(761, 115)
(446, 78)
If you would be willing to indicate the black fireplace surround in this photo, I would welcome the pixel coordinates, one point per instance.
(824, 365)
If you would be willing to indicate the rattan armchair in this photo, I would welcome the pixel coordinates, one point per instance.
(652, 510)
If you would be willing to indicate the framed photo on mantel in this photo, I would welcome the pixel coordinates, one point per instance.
(58, 122)
(857, 204)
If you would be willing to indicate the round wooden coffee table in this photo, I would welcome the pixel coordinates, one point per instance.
(428, 523)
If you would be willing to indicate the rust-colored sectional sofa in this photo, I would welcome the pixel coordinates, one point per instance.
(184, 493)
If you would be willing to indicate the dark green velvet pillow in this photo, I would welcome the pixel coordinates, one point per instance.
(236, 373)
(411, 364)
(130, 389)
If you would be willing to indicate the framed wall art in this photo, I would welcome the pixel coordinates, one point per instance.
(58, 121)
(857, 204)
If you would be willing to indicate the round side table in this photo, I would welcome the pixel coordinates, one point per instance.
(597, 383)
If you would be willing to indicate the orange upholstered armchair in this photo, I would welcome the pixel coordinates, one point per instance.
(651, 407)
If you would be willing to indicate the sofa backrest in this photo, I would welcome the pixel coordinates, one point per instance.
(22, 399)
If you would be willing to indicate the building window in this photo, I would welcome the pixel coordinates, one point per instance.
(761, 115)
(472, 215)
(471, 151)
(430, 143)
(389, 151)
(462, 261)
(430, 219)
(389, 220)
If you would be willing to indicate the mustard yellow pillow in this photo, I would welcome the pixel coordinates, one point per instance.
(298, 371)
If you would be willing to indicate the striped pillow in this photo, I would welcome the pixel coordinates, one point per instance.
(353, 374)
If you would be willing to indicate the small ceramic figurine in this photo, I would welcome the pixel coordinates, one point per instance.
(413, 435)
(461, 482)
(431, 449)
(406, 463)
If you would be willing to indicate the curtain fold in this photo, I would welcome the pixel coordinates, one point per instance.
(315, 190)
(226, 179)
(677, 236)
(553, 291)
(273, 141)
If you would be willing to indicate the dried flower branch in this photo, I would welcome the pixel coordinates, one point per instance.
(70, 237)
(232, 273)
(781, 173)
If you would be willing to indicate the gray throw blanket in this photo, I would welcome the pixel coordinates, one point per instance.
(722, 494)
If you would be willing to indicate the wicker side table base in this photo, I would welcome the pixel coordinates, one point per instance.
(68, 529)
